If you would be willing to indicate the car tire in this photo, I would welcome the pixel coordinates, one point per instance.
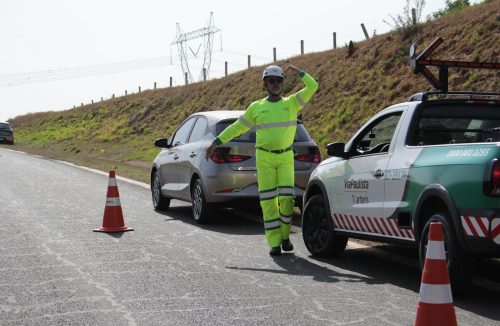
(202, 211)
(318, 232)
(460, 265)
(160, 202)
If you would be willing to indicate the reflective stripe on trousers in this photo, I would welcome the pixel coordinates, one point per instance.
(275, 176)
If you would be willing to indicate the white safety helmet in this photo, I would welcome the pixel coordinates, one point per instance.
(273, 71)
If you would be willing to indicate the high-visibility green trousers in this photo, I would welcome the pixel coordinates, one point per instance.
(275, 177)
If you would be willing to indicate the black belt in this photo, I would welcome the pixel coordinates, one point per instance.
(276, 151)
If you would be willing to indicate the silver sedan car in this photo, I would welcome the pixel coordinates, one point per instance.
(229, 176)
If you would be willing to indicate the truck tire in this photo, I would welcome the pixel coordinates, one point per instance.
(460, 265)
(317, 230)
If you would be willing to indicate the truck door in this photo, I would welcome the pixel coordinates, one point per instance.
(361, 186)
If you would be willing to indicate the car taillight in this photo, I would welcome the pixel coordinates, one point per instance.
(491, 183)
(313, 156)
(221, 155)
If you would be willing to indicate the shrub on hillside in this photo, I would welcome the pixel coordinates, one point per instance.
(403, 23)
(451, 7)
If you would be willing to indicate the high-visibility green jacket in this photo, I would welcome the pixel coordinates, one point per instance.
(275, 122)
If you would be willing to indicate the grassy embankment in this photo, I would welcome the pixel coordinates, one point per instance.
(120, 132)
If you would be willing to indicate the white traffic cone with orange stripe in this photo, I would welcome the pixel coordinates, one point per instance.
(435, 303)
(112, 220)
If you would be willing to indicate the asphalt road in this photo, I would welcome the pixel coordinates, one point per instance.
(169, 271)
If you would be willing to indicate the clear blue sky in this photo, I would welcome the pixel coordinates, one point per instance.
(46, 42)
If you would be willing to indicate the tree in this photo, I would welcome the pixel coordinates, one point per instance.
(451, 7)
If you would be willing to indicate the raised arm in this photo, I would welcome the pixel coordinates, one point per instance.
(304, 95)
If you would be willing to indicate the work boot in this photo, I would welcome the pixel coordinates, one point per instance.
(286, 245)
(275, 251)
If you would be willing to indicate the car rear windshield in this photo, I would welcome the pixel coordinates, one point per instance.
(457, 124)
(249, 137)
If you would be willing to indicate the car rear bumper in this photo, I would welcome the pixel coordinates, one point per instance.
(243, 185)
(7, 139)
(249, 192)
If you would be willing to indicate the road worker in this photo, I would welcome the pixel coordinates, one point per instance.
(275, 120)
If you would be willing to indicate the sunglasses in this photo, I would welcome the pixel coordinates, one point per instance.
(274, 80)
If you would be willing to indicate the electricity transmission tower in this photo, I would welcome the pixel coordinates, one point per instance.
(181, 40)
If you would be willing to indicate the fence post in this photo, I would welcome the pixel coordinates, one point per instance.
(126, 93)
(204, 74)
(74, 106)
(92, 101)
(113, 96)
(102, 99)
(302, 47)
(170, 81)
(139, 89)
(81, 104)
(414, 16)
(364, 31)
(186, 77)
(155, 86)
(334, 40)
(274, 54)
(249, 61)
(225, 68)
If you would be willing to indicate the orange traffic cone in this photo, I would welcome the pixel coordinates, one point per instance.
(435, 303)
(112, 220)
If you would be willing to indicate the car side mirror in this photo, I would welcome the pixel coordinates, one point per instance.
(163, 143)
(336, 149)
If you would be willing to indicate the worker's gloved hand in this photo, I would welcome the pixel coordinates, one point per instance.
(210, 150)
(291, 69)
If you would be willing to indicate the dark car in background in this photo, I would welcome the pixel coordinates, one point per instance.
(6, 133)
(229, 176)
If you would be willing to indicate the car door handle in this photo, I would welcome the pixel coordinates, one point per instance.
(378, 173)
(193, 154)
(176, 157)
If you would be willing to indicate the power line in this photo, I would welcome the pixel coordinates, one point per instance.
(84, 71)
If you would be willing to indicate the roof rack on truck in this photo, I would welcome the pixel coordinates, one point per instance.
(475, 96)
(419, 64)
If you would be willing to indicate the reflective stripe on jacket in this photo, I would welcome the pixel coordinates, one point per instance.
(275, 122)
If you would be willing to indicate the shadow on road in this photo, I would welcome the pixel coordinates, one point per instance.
(295, 265)
(356, 265)
(223, 221)
(480, 300)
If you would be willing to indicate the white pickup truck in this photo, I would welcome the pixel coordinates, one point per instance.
(433, 158)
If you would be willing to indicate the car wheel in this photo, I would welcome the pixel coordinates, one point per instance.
(317, 230)
(159, 201)
(460, 265)
(202, 211)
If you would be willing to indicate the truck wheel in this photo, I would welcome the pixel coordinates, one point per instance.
(202, 211)
(160, 202)
(317, 230)
(460, 265)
